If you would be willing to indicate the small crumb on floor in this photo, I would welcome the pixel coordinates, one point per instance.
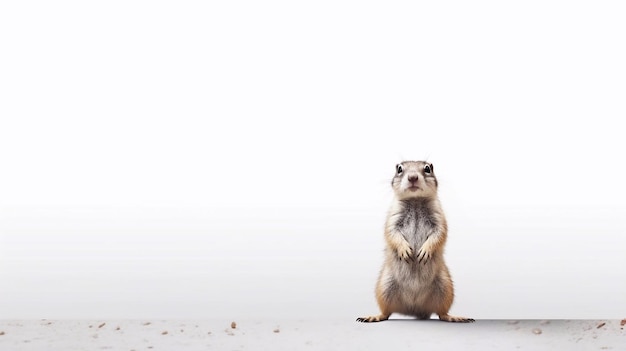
(601, 325)
(276, 330)
(1, 333)
(101, 325)
(537, 331)
(164, 332)
(233, 325)
(623, 322)
(118, 328)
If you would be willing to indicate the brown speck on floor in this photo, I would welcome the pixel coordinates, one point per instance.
(118, 328)
(101, 325)
(182, 331)
(91, 326)
(150, 347)
(233, 325)
(164, 332)
(537, 331)
(601, 325)
(1, 333)
(209, 333)
(276, 330)
(623, 322)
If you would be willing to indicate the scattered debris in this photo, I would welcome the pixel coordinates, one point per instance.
(601, 325)
(91, 326)
(233, 325)
(147, 323)
(209, 333)
(164, 332)
(537, 331)
(623, 323)
(276, 330)
(1, 333)
(118, 328)
(101, 325)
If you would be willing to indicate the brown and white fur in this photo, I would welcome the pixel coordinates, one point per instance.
(414, 279)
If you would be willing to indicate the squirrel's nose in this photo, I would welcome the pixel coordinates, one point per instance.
(413, 179)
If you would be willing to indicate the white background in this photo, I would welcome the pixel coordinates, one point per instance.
(223, 159)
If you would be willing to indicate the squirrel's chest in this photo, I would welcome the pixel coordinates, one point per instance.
(415, 224)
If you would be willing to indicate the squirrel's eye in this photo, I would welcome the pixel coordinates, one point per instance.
(427, 169)
(398, 169)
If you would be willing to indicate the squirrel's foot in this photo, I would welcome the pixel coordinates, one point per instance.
(455, 319)
(370, 319)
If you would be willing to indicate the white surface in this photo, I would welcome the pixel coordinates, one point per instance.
(271, 334)
(173, 160)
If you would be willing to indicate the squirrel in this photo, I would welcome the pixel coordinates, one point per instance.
(414, 279)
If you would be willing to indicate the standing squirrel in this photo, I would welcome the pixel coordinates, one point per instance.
(414, 279)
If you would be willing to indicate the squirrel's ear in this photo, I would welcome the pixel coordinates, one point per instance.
(432, 168)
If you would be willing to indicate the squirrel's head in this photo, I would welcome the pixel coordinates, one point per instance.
(414, 179)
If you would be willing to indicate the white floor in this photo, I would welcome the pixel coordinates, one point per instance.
(396, 334)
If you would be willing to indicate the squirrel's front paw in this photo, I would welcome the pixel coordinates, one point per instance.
(424, 254)
(405, 253)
